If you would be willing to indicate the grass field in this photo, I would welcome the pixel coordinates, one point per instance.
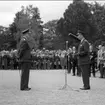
(46, 89)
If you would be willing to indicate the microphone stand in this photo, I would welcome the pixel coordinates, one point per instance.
(66, 86)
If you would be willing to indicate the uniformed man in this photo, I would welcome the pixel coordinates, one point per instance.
(24, 54)
(84, 60)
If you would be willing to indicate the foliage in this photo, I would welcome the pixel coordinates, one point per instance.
(49, 34)
(77, 16)
(99, 15)
(6, 38)
(28, 17)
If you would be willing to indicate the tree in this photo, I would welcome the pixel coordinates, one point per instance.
(98, 11)
(13, 28)
(77, 16)
(6, 38)
(50, 36)
(28, 17)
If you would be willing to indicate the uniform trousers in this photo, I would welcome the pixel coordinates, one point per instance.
(25, 66)
(85, 69)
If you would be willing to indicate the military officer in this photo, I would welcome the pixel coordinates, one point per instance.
(84, 59)
(24, 54)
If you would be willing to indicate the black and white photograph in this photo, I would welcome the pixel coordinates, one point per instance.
(52, 52)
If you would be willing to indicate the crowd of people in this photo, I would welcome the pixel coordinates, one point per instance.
(56, 59)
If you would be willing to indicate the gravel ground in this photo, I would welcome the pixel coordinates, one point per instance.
(47, 89)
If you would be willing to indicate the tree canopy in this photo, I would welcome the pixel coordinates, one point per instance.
(79, 15)
(27, 17)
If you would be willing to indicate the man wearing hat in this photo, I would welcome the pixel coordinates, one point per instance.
(84, 59)
(24, 53)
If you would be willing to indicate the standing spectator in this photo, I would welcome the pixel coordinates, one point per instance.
(52, 60)
(93, 55)
(63, 59)
(5, 60)
(101, 59)
(103, 56)
(44, 63)
(57, 60)
(74, 60)
(69, 60)
(34, 59)
(0, 60)
(48, 64)
(11, 60)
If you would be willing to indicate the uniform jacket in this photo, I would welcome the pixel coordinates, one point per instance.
(83, 53)
(24, 51)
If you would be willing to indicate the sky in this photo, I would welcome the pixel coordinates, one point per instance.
(49, 10)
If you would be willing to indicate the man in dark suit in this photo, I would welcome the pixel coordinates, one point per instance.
(84, 60)
(93, 56)
(24, 54)
(74, 60)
